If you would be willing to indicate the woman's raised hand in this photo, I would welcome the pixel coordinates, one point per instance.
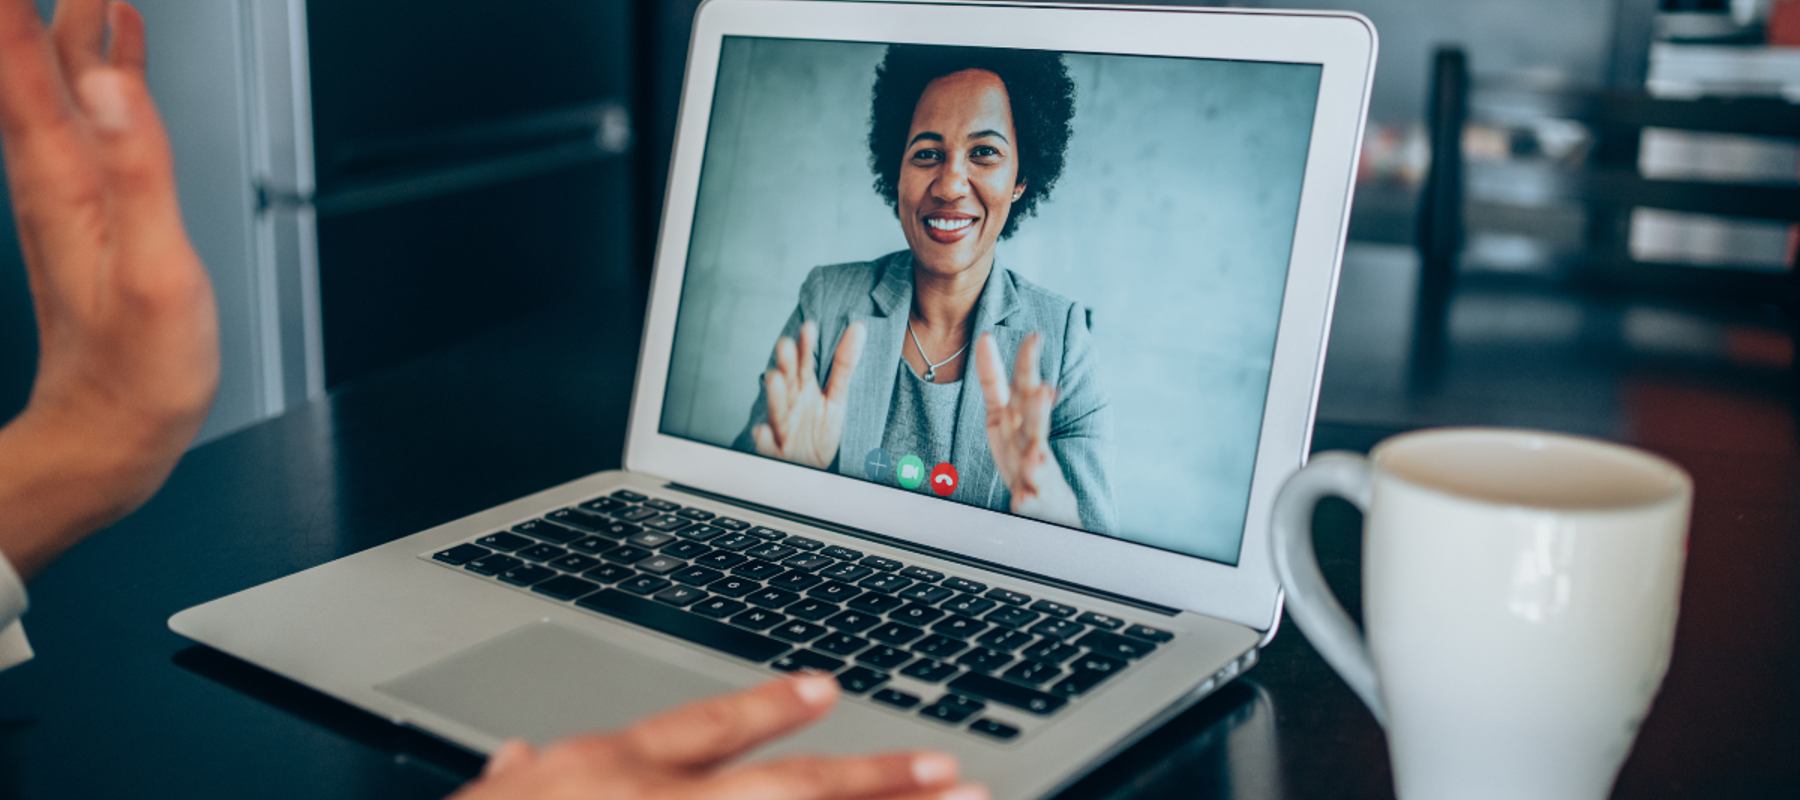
(805, 424)
(1018, 429)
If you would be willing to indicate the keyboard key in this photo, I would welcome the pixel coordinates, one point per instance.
(1008, 596)
(1113, 644)
(842, 644)
(604, 505)
(696, 514)
(929, 670)
(1052, 651)
(808, 561)
(667, 523)
(527, 574)
(994, 729)
(951, 708)
(572, 518)
(609, 573)
(895, 633)
(682, 625)
(766, 533)
(735, 542)
(618, 530)
(960, 627)
(846, 572)
(1098, 663)
(796, 580)
(922, 574)
(758, 570)
(626, 554)
(853, 621)
(984, 660)
(541, 552)
(802, 543)
(637, 514)
(1011, 616)
(565, 587)
(885, 582)
(650, 540)
(771, 551)
(1057, 628)
(492, 564)
(961, 585)
(797, 631)
(914, 613)
(1035, 673)
(629, 496)
(717, 607)
(575, 562)
(1149, 634)
(757, 619)
(857, 680)
(925, 593)
(938, 645)
(733, 586)
(593, 545)
(884, 657)
(1005, 639)
(695, 575)
(895, 697)
(987, 687)
(1053, 609)
(662, 505)
(660, 565)
(719, 559)
(701, 533)
(731, 524)
(967, 604)
(771, 598)
(842, 553)
(876, 603)
(680, 596)
(883, 564)
(461, 554)
(643, 584)
(1080, 681)
(812, 610)
(504, 542)
(1100, 620)
(833, 591)
(686, 549)
(806, 659)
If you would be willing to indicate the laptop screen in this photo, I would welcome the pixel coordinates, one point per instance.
(1042, 284)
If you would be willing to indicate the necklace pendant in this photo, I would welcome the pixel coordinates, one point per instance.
(931, 374)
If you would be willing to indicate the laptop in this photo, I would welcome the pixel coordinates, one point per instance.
(980, 339)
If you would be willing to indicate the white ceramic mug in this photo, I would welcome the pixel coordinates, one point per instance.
(1519, 594)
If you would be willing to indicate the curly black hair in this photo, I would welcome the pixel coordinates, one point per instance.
(1043, 102)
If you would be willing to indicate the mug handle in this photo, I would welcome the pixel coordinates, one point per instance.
(1309, 598)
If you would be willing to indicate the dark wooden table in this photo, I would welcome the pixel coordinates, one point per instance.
(115, 705)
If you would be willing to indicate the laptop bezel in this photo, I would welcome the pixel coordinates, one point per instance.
(1344, 44)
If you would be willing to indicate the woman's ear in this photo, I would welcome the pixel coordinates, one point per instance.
(1018, 191)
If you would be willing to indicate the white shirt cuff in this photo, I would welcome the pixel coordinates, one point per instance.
(14, 648)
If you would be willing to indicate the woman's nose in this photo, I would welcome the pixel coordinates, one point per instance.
(953, 181)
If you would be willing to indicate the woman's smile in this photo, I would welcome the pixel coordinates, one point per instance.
(946, 227)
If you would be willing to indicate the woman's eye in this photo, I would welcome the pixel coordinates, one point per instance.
(984, 151)
(927, 155)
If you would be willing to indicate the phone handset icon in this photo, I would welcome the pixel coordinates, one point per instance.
(943, 480)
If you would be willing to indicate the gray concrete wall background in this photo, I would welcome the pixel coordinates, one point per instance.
(1172, 222)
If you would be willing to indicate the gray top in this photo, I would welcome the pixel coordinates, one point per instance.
(879, 295)
(920, 420)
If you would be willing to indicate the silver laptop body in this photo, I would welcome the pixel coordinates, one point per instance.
(1033, 650)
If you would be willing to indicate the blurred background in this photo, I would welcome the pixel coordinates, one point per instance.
(1575, 214)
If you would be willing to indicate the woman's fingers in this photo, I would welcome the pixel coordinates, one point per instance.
(809, 342)
(780, 404)
(79, 32)
(135, 157)
(127, 50)
(713, 730)
(988, 369)
(511, 754)
(1025, 365)
(823, 778)
(843, 363)
(765, 441)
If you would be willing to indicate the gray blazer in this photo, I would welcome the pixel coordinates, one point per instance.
(879, 293)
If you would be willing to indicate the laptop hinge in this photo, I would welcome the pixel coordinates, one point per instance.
(930, 551)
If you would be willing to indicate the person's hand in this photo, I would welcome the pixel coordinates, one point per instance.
(805, 424)
(128, 339)
(682, 755)
(1018, 429)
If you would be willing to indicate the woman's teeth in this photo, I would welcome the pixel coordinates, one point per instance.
(949, 224)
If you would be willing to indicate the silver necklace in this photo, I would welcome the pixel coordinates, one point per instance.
(930, 375)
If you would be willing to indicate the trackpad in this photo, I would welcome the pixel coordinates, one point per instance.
(545, 681)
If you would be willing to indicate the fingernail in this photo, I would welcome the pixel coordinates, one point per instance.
(965, 793)
(103, 97)
(816, 690)
(933, 768)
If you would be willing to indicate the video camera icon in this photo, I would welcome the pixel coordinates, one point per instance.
(910, 472)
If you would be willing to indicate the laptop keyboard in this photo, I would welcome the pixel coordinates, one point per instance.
(794, 603)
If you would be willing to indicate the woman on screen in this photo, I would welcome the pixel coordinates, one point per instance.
(965, 143)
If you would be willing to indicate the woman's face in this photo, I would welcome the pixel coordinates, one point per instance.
(960, 173)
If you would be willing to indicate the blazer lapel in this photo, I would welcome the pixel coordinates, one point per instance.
(872, 389)
(969, 451)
